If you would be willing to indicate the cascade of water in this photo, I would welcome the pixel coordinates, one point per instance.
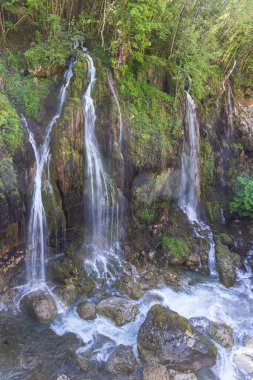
(115, 96)
(190, 177)
(189, 192)
(37, 227)
(103, 203)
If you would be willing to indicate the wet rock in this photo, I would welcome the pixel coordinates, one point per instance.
(248, 342)
(227, 262)
(222, 334)
(155, 371)
(126, 284)
(63, 377)
(174, 375)
(121, 360)
(67, 294)
(82, 360)
(243, 358)
(40, 306)
(86, 310)
(120, 310)
(192, 261)
(168, 338)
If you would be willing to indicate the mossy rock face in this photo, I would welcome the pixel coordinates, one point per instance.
(178, 249)
(169, 339)
(226, 261)
(69, 271)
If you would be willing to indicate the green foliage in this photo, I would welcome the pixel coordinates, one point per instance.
(25, 91)
(207, 156)
(144, 216)
(178, 248)
(242, 202)
(10, 128)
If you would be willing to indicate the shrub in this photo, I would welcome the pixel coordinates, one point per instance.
(178, 249)
(242, 202)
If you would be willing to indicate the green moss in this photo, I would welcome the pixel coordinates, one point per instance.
(207, 156)
(165, 317)
(177, 247)
(11, 131)
(144, 216)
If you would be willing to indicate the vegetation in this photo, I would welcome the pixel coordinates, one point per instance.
(242, 202)
(178, 249)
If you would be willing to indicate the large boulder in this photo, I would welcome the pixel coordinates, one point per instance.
(168, 338)
(226, 261)
(122, 360)
(155, 371)
(222, 334)
(126, 284)
(120, 310)
(82, 359)
(86, 310)
(40, 305)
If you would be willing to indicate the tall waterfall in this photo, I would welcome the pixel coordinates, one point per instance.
(190, 178)
(189, 192)
(103, 208)
(37, 227)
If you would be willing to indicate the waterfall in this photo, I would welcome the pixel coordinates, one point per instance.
(115, 96)
(190, 178)
(103, 205)
(189, 192)
(37, 226)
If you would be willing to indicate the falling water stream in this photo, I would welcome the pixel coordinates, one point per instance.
(37, 226)
(103, 197)
(189, 192)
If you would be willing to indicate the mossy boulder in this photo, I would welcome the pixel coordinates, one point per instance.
(226, 261)
(169, 339)
(86, 310)
(121, 360)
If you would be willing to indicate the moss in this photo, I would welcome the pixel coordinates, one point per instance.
(165, 317)
(178, 249)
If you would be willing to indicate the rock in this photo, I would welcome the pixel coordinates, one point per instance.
(63, 377)
(227, 262)
(127, 285)
(168, 338)
(82, 359)
(86, 310)
(243, 358)
(120, 310)
(248, 342)
(40, 306)
(67, 294)
(122, 360)
(155, 371)
(192, 261)
(174, 375)
(222, 334)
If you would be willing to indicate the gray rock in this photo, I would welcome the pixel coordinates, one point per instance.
(155, 371)
(82, 360)
(122, 360)
(222, 334)
(174, 375)
(127, 285)
(63, 377)
(248, 342)
(243, 358)
(168, 338)
(120, 310)
(67, 294)
(227, 262)
(86, 310)
(40, 306)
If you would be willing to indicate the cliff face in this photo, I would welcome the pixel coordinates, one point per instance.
(152, 145)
